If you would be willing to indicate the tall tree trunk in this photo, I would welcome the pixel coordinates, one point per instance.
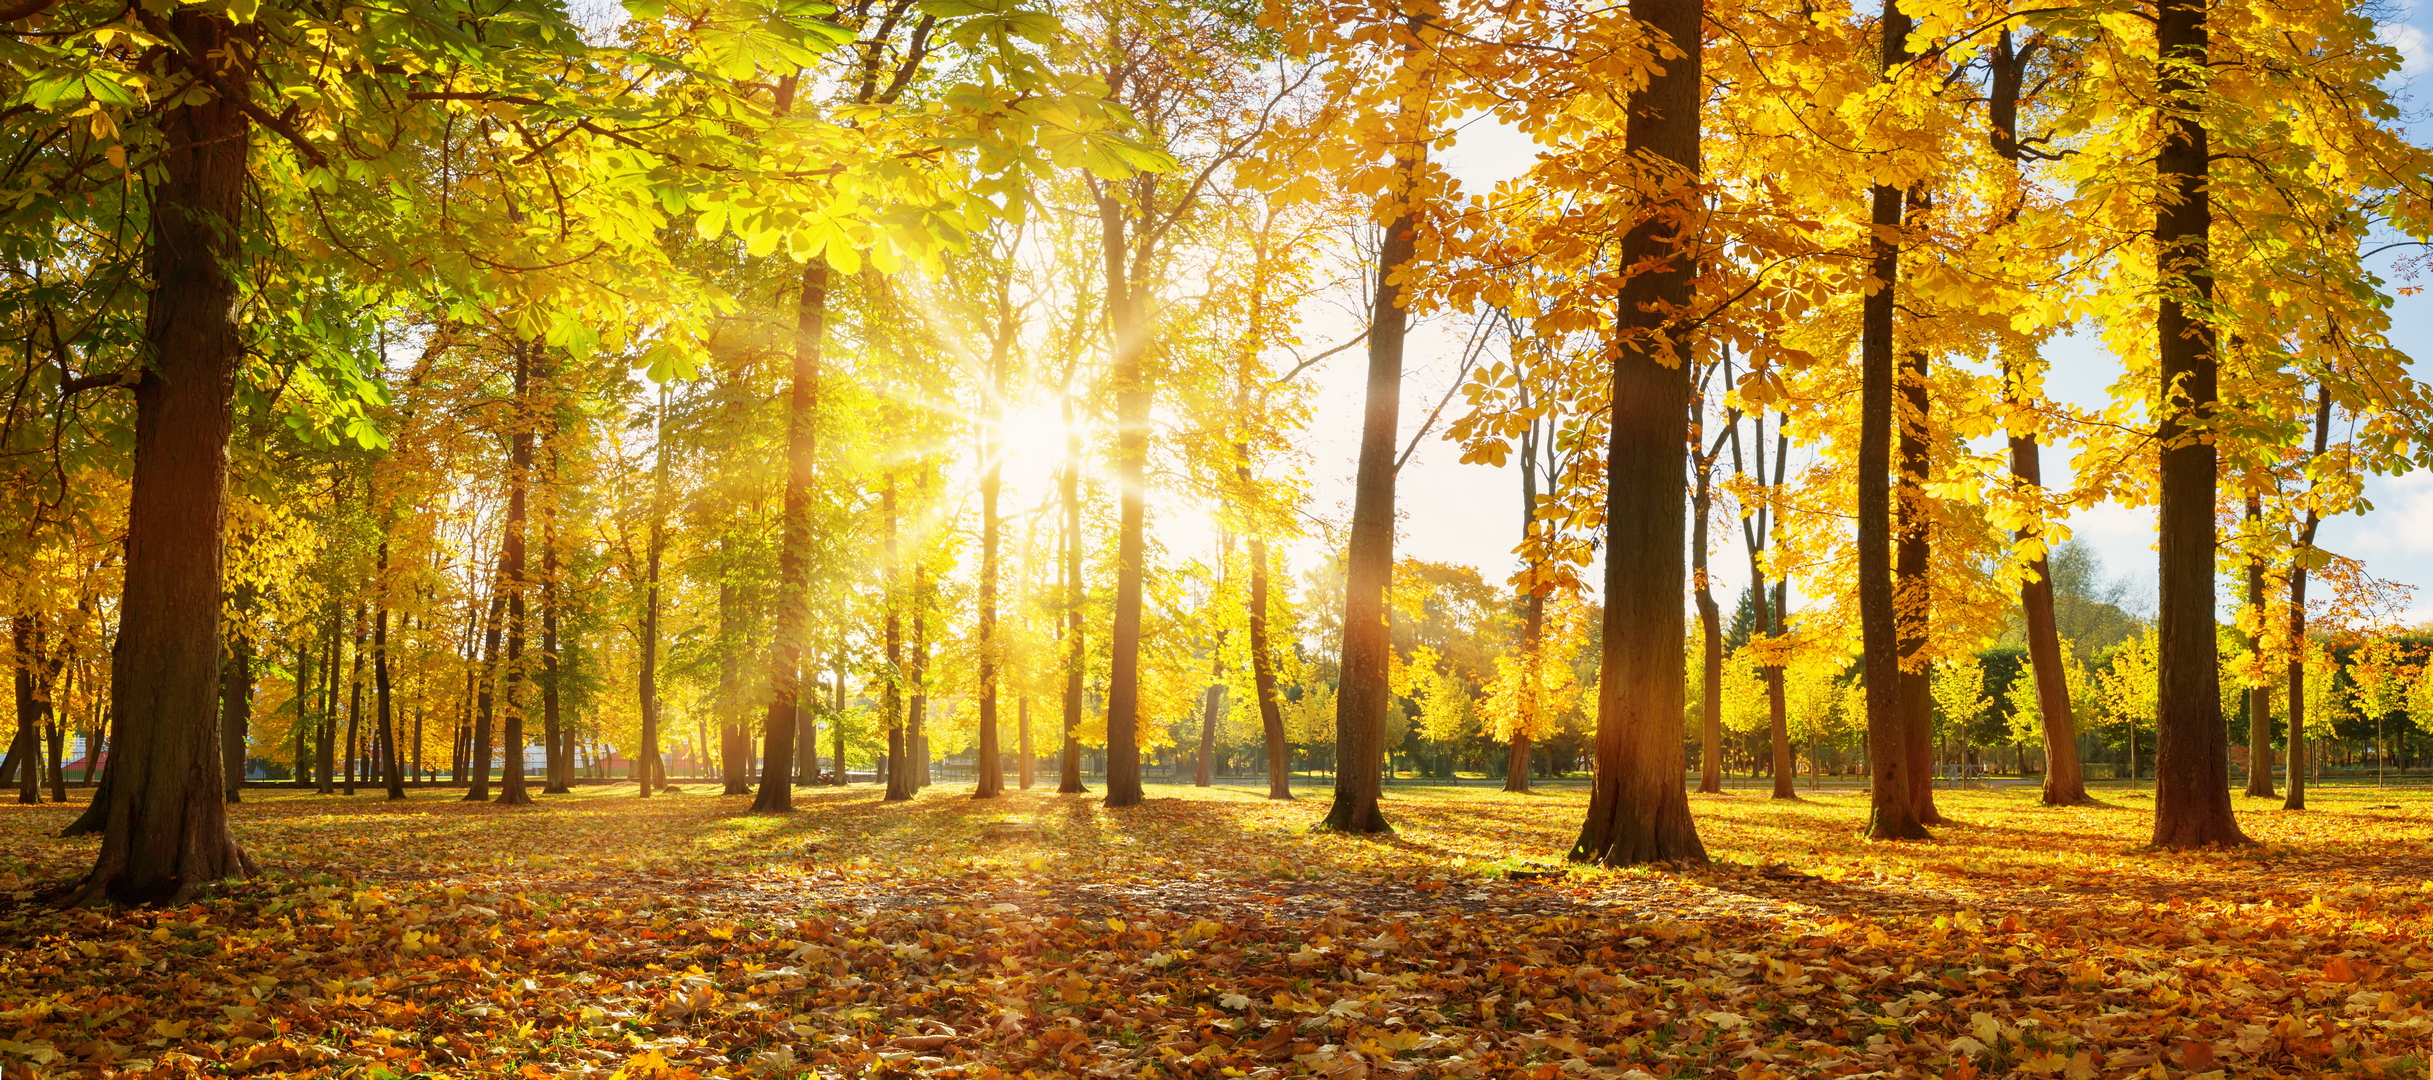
(1362, 693)
(1638, 805)
(354, 700)
(2259, 696)
(1068, 768)
(916, 728)
(324, 752)
(2298, 750)
(1126, 314)
(1913, 593)
(1263, 679)
(836, 732)
(1892, 775)
(792, 633)
(647, 763)
(991, 780)
(393, 760)
(730, 690)
(478, 750)
(553, 722)
(512, 790)
(1710, 624)
(24, 763)
(165, 825)
(306, 680)
(1516, 758)
(2192, 756)
(1025, 763)
(236, 712)
(1203, 772)
(901, 780)
(2064, 780)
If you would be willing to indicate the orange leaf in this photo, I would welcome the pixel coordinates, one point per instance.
(2337, 970)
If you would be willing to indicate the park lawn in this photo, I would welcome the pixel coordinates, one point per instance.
(1209, 933)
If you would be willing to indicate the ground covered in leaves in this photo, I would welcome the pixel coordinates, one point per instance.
(1209, 933)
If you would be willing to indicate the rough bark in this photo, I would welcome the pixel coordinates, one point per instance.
(2259, 696)
(165, 830)
(24, 762)
(1913, 601)
(236, 715)
(479, 749)
(1131, 385)
(354, 699)
(393, 761)
(512, 790)
(900, 779)
(991, 779)
(793, 616)
(1263, 679)
(1892, 808)
(2298, 754)
(1362, 693)
(1638, 805)
(2192, 805)
(1068, 766)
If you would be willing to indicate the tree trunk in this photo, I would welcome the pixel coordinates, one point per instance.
(916, 726)
(354, 701)
(512, 790)
(2192, 756)
(165, 829)
(2259, 696)
(991, 778)
(1025, 766)
(24, 762)
(1068, 768)
(900, 780)
(478, 751)
(1913, 593)
(2298, 750)
(1131, 387)
(837, 731)
(1362, 693)
(1263, 680)
(793, 615)
(1638, 808)
(324, 754)
(302, 701)
(1516, 758)
(1203, 771)
(394, 759)
(1892, 775)
(236, 714)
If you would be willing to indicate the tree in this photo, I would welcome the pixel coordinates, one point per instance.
(1638, 809)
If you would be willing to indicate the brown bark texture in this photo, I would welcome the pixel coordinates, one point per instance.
(1638, 804)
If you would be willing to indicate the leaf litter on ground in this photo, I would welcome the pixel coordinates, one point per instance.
(1211, 933)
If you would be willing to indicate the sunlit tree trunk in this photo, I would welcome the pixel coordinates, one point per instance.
(2192, 761)
(1125, 315)
(324, 740)
(1203, 772)
(1362, 694)
(24, 763)
(1068, 769)
(2298, 750)
(354, 698)
(1638, 805)
(901, 780)
(1710, 616)
(165, 822)
(2259, 696)
(990, 782)
(394, 760)
(1263, 679)
(512, 790)
(1913, 593)
(480, 750)
(1892, 804)
(792, 615)
(1516, 757)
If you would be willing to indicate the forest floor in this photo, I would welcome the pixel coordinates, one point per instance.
(1209, 933)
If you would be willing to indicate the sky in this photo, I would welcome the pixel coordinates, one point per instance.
(1470, 514)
